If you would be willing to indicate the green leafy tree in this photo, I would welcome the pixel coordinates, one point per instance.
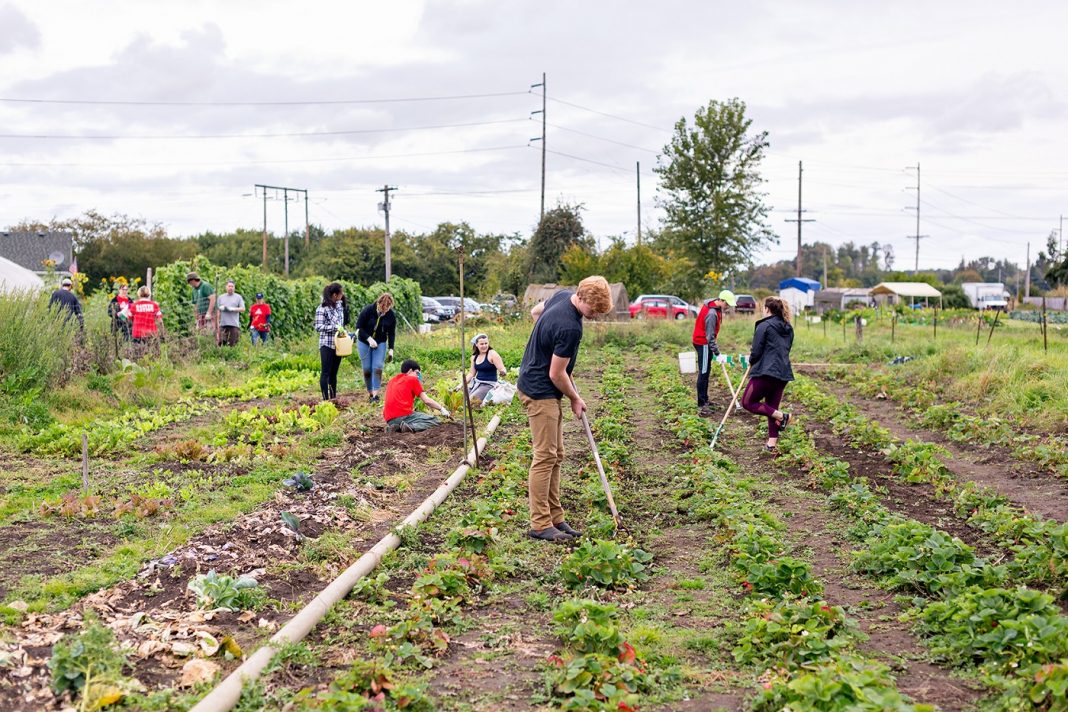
(559, 229)
(710, 188)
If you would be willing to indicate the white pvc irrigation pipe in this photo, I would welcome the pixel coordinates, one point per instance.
(227, 693)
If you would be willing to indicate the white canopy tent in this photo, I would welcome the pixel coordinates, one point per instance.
(14, 278)
(892, 292)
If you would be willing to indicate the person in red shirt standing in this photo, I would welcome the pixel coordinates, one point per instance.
(259, 319)
(705, 333)
(146, 317)
(399, 408)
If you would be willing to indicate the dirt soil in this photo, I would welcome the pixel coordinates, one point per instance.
(155, 612)
(1037, 491)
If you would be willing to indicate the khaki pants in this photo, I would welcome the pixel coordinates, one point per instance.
(546, 418)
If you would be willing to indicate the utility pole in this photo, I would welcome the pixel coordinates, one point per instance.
(1027, 275)
(799, 219)
(285, 239)
(1060, 236)
(638, 175)
(544, 92)
(825, 284)
(285, 198)
(384, 207)
(307, 225)
(917, 237)
(264, 230)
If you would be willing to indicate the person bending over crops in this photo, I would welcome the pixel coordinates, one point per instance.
(770, 368)
(376, 325)
(486, 365)
(399, 408)
(329, 317)
(705, 333)
(548, 362)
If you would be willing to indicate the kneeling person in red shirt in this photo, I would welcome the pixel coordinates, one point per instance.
(399, 410)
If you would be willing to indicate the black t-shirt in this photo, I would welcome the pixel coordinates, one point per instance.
(558, 332)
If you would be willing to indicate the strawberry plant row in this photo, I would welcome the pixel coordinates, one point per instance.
(968, 609)
(956, 420)
(806, 646)
(1040, 545)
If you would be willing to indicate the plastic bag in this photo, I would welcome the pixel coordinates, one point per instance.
(502, 394)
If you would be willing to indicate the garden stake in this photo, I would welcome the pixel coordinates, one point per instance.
(995, 323)
(734, 400)
(470, 413)
(600, 469)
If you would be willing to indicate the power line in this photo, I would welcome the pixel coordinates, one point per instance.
(308, 102)
(602, 138)
(588, 160)
(331, 159)
(604, 113)
(292, 134)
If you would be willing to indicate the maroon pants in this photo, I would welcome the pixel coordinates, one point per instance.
(769, 390)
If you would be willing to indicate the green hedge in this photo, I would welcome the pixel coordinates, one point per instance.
(292, 301)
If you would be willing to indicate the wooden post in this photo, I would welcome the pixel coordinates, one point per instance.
(992, 325)
(148, 279)
(858, 324)
(978, 327)
(843, 328)
(85, 463)
(936, 323)
(893, 327)
(1045, 343)
(468, 416)
(824, 327)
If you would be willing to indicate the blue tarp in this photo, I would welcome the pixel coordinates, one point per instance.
(802, 283)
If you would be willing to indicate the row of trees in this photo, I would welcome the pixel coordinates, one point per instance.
(715, 222)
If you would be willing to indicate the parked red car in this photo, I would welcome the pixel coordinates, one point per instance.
(656, 306)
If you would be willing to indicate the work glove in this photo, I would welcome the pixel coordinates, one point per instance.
(371, 342)
(445, 412)
(720, 358)
(389, 356)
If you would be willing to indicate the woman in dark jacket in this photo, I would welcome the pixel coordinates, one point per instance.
(376, 329)
(770, 367)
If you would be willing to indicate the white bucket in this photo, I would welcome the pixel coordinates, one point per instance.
(688, 362)
(424, 328)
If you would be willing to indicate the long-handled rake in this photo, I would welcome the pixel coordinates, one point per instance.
(600, 466)
(600, 469)
(730, 407)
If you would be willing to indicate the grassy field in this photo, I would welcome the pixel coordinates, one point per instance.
(906, 548)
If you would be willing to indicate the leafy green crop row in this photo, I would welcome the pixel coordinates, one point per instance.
(1040, 545)
(959, 422)
(965, 606)
(807, 646)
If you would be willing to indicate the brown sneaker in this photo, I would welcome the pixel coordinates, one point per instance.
(706, 411)
(549, 534)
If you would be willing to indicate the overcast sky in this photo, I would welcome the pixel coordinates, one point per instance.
(973, 91)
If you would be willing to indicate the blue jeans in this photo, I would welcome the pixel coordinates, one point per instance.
(372, 361)
(258, 335)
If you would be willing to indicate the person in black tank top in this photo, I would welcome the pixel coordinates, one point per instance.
(486, 366)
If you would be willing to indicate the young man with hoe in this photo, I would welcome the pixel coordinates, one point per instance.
(705, 333)
(548, 362)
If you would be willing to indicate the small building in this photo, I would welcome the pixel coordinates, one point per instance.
(841, 298)
(893, 293)
(31, 250)
(798, 292)
(620, 302)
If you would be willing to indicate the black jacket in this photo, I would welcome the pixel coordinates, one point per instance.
(387, 325)
(772, 342)
(66, 300)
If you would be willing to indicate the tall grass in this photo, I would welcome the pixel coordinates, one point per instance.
(36, 344)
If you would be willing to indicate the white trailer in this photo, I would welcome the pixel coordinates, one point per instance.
(986, 295)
